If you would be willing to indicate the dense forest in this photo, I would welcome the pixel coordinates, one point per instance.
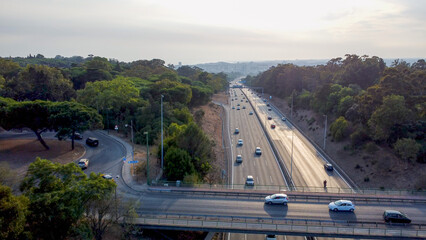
(367, 102)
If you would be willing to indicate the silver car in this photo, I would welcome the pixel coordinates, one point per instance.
(279, 198)
(341, 205)
(239, 159)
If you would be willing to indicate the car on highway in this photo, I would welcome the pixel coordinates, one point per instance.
(279, 198)
(395, 216)
(233, 107)
(273, 126)
(250, 113)
(258, 151)
(246, 100)
(83, 163)
(239, 159)
(250, 180)
(238, 104)
(328, 167)
(341, 205)
(268, 104)
(242, 100)
(240, 142)
(93, 142)
(238, 108)
(232, 99)
(284, 119)
(270, 237)
(269, 109)
(237, 130)
(269, 117)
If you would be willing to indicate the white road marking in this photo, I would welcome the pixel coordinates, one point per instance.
(271, 178)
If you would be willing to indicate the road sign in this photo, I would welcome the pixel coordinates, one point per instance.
(124, 159)
(135, 161)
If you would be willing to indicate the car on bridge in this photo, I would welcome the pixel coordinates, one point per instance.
(341, 205)
(395, 216)
(279, 198)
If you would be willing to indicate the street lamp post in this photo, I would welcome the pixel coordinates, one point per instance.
(291, 167)
(325, 131)
(162, 145)
(147, 159)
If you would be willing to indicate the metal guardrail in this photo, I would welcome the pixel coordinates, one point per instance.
(301, 189)
(281, 226)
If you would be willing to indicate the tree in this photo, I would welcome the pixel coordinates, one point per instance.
(102, 206)
(178, 164)
(40, 82)
(392, 111)
(59, 196)
(13, 213)
(339, 128)
(407, 148)
(33, 115)
(69, 117)
(40, 116)
(56, 197)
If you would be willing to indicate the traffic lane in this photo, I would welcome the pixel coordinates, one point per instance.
(178, 204)
(307, 163)
(263, 168)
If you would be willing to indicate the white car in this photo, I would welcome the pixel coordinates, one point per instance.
(258, 151)
(341, 205)
(237, 130)
(250, 180)
(83, 163)
(240, 142)
(279, 198)
(239, 159)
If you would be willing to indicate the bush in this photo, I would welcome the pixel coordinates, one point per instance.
(339, 128)
(358, 137)
(371, 147)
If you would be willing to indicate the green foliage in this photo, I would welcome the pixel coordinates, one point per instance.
(359, 136)
(13, 213)
(39, 82)
(339, 128)
(191, 179)
(59, 195)
(407, 148)
(178, 164)
(392, 111)
(344, 104)
(303, 100)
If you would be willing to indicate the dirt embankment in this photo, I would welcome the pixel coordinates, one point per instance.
(380, 168)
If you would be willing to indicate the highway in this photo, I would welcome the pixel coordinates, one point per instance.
(307, 169)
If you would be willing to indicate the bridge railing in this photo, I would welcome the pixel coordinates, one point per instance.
(278, 188)
(280, 225)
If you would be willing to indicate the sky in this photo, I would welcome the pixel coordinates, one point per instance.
(198, 31)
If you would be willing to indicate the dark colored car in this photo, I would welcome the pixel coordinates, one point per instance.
(91, 141)
(328, 167)
(77, 136)
(395, 216)
(273, 126)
